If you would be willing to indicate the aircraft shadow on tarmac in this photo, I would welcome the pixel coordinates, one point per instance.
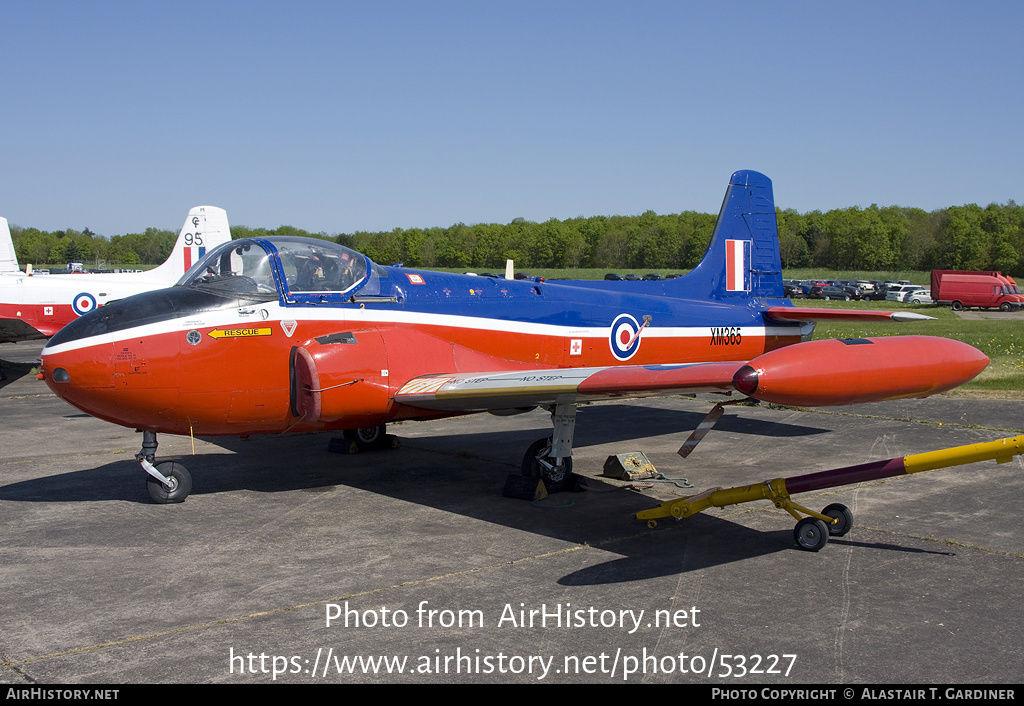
(464, 474)
(10, 372)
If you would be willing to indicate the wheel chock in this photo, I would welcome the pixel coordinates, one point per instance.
(629, 466)
(341, 445)
(522, 487)
(344, 445)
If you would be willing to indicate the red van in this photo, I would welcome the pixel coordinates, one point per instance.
(963, 288)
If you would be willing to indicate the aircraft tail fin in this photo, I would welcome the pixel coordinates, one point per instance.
(8, 258)
(743, 259)
(205, 228)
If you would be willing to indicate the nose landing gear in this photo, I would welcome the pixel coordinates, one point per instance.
(177, 487)
(168, 482)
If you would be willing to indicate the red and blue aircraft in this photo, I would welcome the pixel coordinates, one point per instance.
(267, 335)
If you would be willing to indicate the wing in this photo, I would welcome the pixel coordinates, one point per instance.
(12, 330)
(472, 392)
(813, 374)
(475, 392)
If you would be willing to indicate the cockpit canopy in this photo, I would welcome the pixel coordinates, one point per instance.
(260, 267)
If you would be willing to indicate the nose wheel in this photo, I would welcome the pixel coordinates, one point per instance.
(167, 482)
(177, 488)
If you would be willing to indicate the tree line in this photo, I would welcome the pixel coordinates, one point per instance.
(872, 239)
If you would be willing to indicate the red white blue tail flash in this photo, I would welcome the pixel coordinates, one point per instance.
(737, 262)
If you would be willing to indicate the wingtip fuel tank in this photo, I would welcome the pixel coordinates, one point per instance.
(857, 370)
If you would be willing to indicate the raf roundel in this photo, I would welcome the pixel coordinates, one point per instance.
(83, 303)
(625, 337)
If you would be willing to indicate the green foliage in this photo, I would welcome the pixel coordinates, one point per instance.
(874, 238)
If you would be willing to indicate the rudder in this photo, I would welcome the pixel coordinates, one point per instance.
(8, 258)
(743, 259)
(205, 228)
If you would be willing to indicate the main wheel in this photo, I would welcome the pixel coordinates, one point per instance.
(369, 437)
(1005, 306)
(810, 534)
(838, 511)
(181, 483)
(958, 306)
(556, 478)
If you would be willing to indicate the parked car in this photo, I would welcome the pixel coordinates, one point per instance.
(919, 296)
(827, 292)
(652, 277)
(899, 292)
(612, 277)
(877, 292)
(854, 291)
(632, 278)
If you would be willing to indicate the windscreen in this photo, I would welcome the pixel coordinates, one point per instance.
(238, 267)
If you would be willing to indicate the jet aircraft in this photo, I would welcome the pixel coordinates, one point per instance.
(284, 334)
(34, 307)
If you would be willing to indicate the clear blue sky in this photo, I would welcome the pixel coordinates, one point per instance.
(342, 116)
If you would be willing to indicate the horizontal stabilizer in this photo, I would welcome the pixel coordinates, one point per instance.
(796, 313)
(17, 330)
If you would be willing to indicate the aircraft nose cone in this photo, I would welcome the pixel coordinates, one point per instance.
(81, 377)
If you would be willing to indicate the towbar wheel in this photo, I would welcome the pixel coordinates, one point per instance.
(811, 534)
(843, 517)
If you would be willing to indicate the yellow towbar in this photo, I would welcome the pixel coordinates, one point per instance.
(812, 532)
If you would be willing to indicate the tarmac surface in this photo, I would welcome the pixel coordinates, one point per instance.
(439, 573)
(993, 314)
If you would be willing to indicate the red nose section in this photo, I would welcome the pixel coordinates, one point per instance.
(850, 371)
(83, 378)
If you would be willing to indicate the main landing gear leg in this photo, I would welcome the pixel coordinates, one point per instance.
(363, 439)
(371, 438)
(550, 459)
(168, 482)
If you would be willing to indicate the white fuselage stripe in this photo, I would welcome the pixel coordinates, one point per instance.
(361, 317)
